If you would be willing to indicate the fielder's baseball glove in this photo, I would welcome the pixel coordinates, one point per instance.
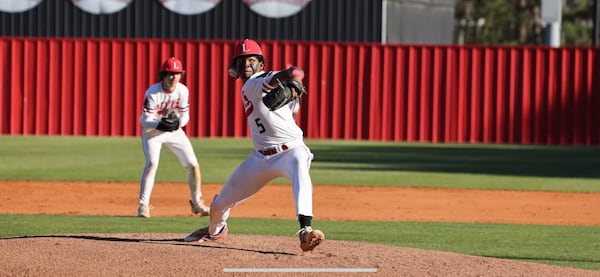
(168, 123)
(282, 94)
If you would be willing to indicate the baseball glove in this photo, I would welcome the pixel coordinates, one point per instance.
(282, 94)
(299, 87)
(168, 123)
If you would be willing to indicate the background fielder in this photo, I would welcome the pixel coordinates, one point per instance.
(269, 99)
(166, 111)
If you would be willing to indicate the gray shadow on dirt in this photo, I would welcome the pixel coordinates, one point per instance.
(157, 241)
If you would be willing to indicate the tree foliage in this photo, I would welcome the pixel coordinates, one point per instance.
(518, 22)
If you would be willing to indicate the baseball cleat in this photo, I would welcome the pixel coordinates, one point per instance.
(197, 235)
(309, 238)
(202, 234)
(220, 235)
(144, 211)
(200, 208)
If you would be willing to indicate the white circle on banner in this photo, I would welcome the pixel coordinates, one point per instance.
(276, 8)
(101, 6)
(189, 7)
(12, 6)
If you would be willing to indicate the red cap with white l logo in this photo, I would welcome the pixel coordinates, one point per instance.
(245, 48)
(172, 65)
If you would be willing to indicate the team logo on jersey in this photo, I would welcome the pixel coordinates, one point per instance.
(248, 106)
(170, 104)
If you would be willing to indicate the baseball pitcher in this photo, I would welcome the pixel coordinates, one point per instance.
(269, 100)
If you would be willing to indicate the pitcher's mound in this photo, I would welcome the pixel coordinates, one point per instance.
(241, 255)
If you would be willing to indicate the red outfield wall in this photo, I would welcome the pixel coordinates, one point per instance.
(522, 95)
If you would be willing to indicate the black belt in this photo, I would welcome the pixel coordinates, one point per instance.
(273, 151)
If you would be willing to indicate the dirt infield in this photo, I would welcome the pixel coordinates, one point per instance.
(168, 255)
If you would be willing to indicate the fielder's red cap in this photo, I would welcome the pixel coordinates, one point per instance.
(172, 65)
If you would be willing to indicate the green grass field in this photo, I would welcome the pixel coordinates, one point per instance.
(336, 162)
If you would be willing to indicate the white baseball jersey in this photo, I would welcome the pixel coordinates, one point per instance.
(280, 152)
(157, 101)
(268, 128)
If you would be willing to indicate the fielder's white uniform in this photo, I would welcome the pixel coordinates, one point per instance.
(279, 152)
(156, 103)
